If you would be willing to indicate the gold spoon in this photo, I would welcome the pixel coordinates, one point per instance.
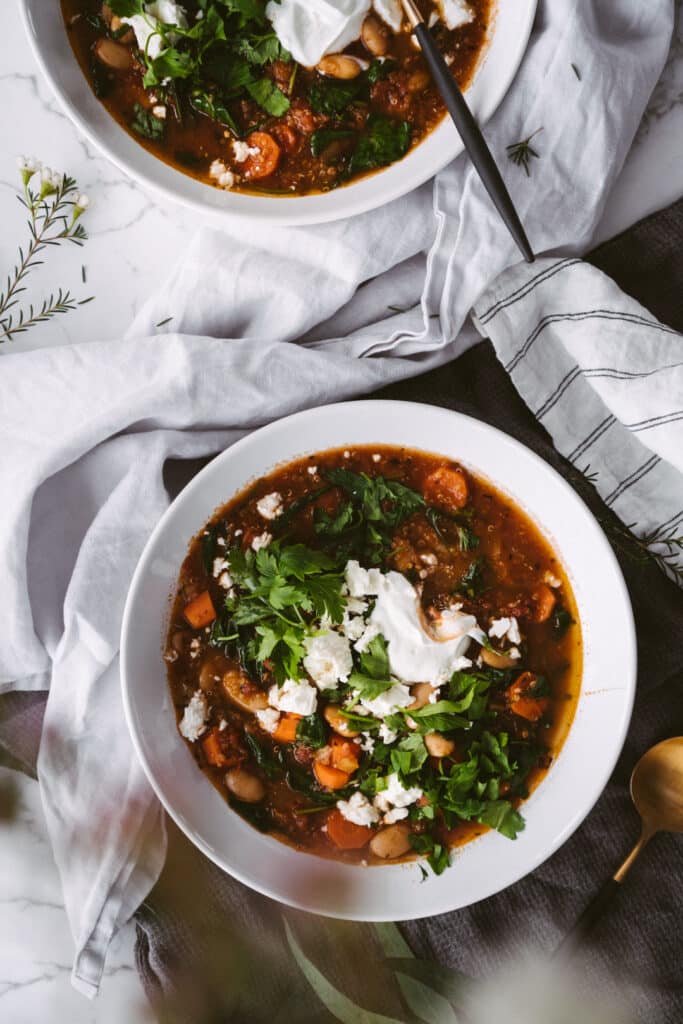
(657, 792)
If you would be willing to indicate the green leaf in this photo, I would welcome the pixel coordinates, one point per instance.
(380, 69)
(374, 661)
(324, 137)
(332, 96)
(268, 96)
(144, 123)
(501, 815)
(409, 754)
(560, 621)
(265, 761)
(126, 8)
(368, 687)
(170, 63)
(311, 731)
(385, 140)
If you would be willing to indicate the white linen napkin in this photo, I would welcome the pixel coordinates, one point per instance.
(261, 327)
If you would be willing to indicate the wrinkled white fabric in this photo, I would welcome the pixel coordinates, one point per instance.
(263, 324)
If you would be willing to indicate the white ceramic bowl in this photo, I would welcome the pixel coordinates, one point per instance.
(573, 783)
(47, 34)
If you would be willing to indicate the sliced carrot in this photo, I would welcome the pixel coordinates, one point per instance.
(544, 600)
(345, 754)
(200, 612)
(329, 777)
(213, 750)
(264, 161)
(286, 728)
(446, 488)
(521, 700)
(346, 834)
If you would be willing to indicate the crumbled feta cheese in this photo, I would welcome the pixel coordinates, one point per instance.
(552, 580)
(242, 150)
(376, 457)
(513, 653)
(328, 659)
(222, 175)
(225, 581)
(312, 470)
(362, 582)
(268, 719)
(456, 13)
(193, 722)
(195, 644)
(171, 656)
(397, 696)
(270, 506)
(220, 565)
(386, 734)
(358, 809)
(296, 696)
(367, 742)
(159, 111)
(369, 634)
(222, 725)
(262, 541)
(347, 454)
(429, 559)
(356, 606)
(395, 814)
(505, 627)
(353, 627)
(220, 542)
(396, 795)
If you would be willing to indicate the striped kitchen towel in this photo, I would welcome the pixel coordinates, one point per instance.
(605, 379)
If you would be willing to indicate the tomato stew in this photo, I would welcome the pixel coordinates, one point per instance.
(222, 101)
(373, 654)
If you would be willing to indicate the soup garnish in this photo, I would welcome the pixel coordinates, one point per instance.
(374, 655)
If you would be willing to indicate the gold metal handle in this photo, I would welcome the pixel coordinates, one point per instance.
(412, 13)
(621, 872)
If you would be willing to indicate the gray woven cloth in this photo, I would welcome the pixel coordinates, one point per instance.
(211, 952)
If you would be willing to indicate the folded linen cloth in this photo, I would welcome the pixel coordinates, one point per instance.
(81, 500)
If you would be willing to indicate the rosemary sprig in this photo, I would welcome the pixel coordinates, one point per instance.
(521, 152)
(54, 217)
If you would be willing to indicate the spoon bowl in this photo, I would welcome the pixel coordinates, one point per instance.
(657, 787)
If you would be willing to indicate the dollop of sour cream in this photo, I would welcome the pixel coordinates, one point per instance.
(415, 655)
(311, 28)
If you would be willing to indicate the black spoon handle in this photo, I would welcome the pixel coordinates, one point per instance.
(472, 138)
(589, 918)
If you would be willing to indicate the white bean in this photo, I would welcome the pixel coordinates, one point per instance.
(244, 785)
(391, 842)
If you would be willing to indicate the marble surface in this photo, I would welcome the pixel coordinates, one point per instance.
(133, 239)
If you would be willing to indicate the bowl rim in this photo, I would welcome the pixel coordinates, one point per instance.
(617, 735)
(397, 179)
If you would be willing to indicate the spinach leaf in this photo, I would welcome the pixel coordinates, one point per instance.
(311, 731)
(384, 140)
(144, 123)
(324, 137)
(265, 761)
(332, 96)
(471, 582)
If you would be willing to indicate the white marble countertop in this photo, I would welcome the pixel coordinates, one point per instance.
(133, 238)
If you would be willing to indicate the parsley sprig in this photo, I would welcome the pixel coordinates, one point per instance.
(279, 593)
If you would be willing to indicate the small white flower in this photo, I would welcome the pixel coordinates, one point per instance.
(28, 164)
